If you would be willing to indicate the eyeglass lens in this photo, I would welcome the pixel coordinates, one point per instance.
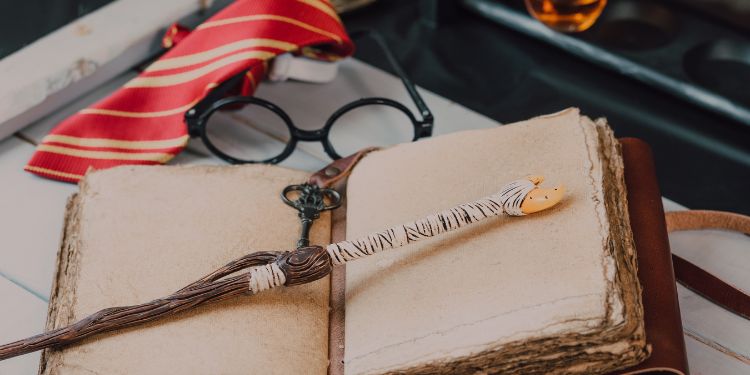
(248, 132)
(369, 125)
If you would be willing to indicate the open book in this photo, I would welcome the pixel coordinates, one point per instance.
(556, 291)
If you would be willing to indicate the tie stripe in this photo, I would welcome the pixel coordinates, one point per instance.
(115, 143)
(201, 57)
(160, 157)
(146, 114)
(189, 76)
(270, 17)
(112, 112)
(143, 122)
(151, 103)
(51, 172)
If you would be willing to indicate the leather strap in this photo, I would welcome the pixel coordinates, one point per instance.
(704, 219)
(697, 279)
(338, 169)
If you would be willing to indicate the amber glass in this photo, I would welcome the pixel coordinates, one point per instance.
(566, 15)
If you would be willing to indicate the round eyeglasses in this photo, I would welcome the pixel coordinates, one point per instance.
(373, 120)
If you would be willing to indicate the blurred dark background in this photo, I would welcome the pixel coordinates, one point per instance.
(25, 21)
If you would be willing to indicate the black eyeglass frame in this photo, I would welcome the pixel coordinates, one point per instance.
(197, 117)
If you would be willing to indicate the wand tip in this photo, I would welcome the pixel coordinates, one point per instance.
(541, 199)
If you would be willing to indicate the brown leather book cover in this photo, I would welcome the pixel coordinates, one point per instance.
(660, 304)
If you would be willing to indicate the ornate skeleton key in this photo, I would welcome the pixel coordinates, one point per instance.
(310, 202)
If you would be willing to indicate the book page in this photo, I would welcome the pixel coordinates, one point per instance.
(140, 233)
(496, 286)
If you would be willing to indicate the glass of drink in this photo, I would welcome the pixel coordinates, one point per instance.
(566, 15)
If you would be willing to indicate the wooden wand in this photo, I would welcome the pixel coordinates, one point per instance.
(268, 269)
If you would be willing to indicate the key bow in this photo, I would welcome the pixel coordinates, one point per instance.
(310, 202)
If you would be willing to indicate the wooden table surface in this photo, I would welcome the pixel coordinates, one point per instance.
(31, 215)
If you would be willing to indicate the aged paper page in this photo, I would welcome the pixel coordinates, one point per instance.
(140, 233)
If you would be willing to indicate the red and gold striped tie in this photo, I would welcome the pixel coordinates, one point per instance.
(142, 123)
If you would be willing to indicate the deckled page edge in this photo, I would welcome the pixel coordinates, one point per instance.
(62, 297)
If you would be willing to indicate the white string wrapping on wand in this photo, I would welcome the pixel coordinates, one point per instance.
(507, 201)
(266, 277)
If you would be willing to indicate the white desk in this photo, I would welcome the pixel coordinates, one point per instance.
(31, 214)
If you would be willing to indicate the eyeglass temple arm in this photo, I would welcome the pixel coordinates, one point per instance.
(427, 117)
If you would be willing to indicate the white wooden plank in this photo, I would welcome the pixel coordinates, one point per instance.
(705, 360)
(31, 218)
(21, 315)
(118, 35)
(38, 129)
(725, 255)
(715, 327)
